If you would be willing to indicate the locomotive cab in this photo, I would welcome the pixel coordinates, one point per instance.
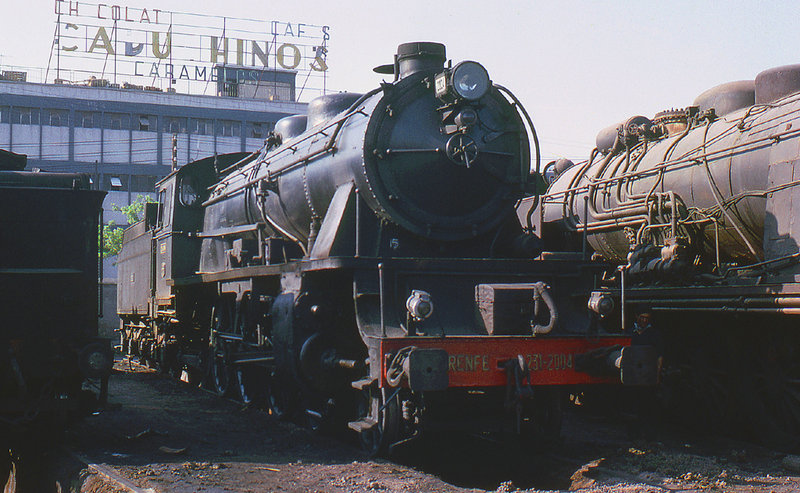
(180, 218)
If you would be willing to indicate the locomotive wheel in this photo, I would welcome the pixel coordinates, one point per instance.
(386, 414)
(221, 373)
(250, 384)
(277, 403)
(281, 400)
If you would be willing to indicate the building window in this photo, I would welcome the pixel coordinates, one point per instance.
(274, 91)
(230, 89)
(115, 183)
(117, 121)
(25, 116)
(5, 115)
(176, 125)
(147, 123)
(256, 130)
(87, 119)
(56, 118)
(229, 128)
(202, 127)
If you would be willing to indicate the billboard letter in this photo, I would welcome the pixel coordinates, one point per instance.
(157, 51)
(133, 49)
(73, 47)
(281, 55)
(319, 64)
(101, 40)
(239, 52)
(261, 54)
(215, 53)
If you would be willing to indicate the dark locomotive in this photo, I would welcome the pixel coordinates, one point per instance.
(53, 366)
(696, 207)
(367, 265)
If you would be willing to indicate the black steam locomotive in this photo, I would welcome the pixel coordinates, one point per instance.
(368, 265)
(696, 206)
(53, 365)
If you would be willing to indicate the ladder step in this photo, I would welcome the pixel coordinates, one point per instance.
(363, 383)
(362, 425)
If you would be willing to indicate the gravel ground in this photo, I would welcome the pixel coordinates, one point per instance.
(168, 437)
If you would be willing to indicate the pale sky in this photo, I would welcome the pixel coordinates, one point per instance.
(577, 66)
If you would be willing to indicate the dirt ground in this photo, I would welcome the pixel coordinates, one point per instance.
(167, 437)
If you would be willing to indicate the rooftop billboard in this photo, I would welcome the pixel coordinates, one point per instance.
(151, 47)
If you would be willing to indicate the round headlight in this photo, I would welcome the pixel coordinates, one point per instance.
(470, 80)
(601, 303)
(419, 305)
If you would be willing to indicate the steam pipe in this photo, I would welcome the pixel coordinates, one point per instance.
(541, 292)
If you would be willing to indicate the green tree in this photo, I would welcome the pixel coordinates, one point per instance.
(111, 239)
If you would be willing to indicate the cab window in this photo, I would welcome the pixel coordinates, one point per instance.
(165, 207)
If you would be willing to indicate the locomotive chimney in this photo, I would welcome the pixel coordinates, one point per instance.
(420, 56)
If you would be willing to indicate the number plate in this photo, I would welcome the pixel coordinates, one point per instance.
(479, 361)
(549, 362)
